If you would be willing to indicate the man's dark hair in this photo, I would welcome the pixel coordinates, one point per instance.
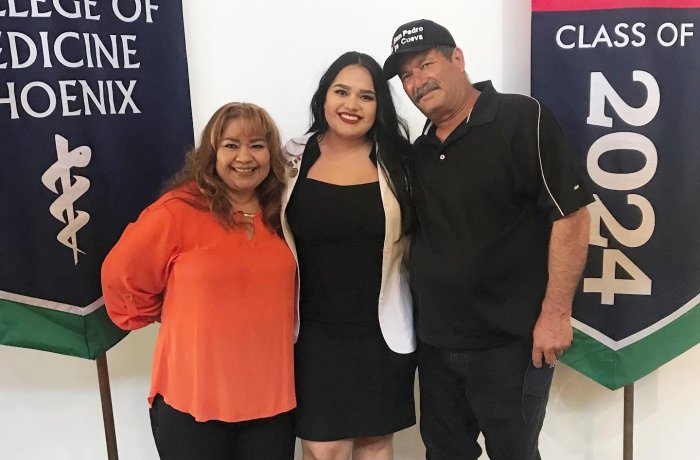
(446, 50)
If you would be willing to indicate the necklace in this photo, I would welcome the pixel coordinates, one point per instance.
(249, 215)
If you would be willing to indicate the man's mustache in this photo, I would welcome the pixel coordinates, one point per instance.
(418, 93)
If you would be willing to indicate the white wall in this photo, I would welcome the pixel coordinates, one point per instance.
(273, 53)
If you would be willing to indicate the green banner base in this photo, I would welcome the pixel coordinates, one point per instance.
(39, 328)
(615, 369)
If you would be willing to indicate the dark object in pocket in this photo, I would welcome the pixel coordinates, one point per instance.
(535, 390)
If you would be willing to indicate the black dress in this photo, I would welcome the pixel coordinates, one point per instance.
(349, 383)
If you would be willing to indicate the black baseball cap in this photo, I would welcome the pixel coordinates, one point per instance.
(413, 37)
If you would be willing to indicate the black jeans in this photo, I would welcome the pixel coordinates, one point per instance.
(179, 436)
(496, 391)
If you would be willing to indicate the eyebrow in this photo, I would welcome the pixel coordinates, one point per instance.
(415, 62)
(362, 91)
(234, 139)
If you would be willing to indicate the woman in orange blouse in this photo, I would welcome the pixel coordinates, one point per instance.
(207, 261)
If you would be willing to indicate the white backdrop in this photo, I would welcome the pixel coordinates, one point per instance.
(272, 53)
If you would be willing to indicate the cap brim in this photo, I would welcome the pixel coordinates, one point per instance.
(391, 65)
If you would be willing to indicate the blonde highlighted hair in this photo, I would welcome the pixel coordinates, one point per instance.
(201, 181)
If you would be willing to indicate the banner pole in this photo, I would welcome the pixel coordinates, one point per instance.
(107, 413)
(628, 430)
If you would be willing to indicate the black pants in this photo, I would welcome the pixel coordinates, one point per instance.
(496, 391)
(179, 436)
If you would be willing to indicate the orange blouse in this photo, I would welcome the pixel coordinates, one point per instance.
(225, 303)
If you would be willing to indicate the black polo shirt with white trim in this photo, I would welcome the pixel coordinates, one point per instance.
(485, 200)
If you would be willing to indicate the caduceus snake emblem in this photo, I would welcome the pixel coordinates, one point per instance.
(71, 189)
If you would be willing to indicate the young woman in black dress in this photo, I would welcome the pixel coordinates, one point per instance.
(346, 215)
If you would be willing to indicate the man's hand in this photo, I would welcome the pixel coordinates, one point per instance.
(551, 336)
(568, 246)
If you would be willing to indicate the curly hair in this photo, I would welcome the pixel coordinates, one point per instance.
(200, 180)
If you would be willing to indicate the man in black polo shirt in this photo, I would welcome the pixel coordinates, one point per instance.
(499, 251)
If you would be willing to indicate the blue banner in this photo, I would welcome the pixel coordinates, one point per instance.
(94, 115)
(623, 83)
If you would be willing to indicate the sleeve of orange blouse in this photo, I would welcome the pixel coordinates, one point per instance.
(135, 271)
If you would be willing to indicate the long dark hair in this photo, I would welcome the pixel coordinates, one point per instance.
(200, 180)
(390, 132)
